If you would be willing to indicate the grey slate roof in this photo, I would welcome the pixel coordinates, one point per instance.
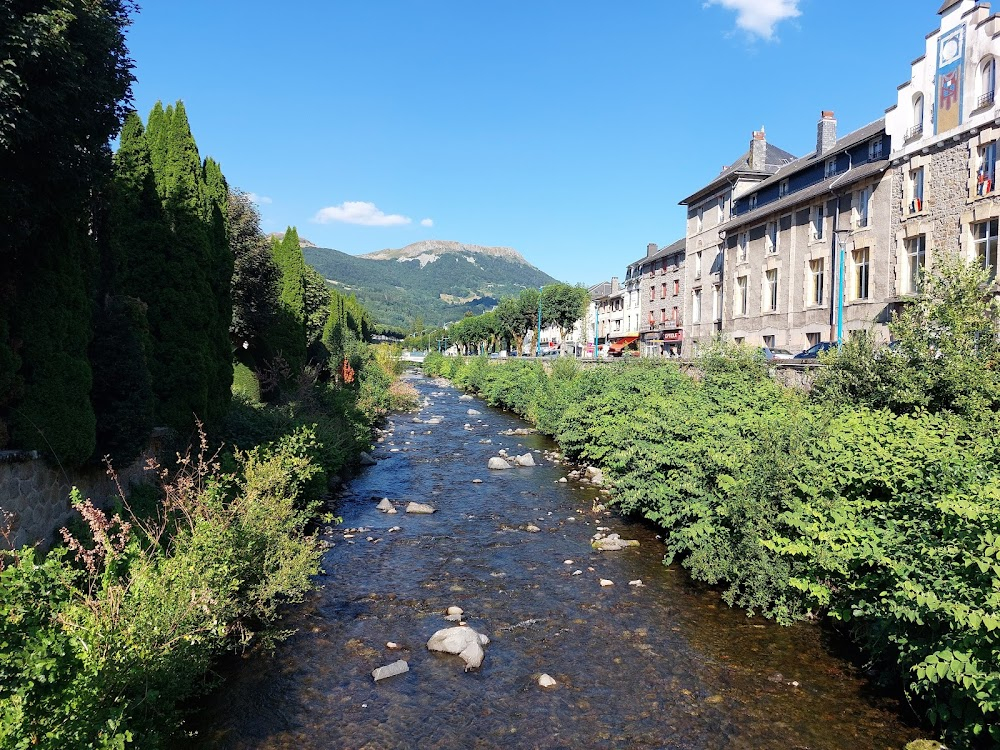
(848, 141)
(774, 159)
(674, 247)
(841, 180)
(947, 4)
(603, 289)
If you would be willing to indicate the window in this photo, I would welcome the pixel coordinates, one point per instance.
(815, 286)
(674, 315)
(663, 290)
(741, 247)
(859, 274)
(915, 259)
(696, 306)
(716, 303)
(831, 168)
(700, 219)
(742, 300)
(663, 315)
(652, 293)
(984, 238)
(987, 82)
(918, 113)
(917, 190)
(753, 201)
(817, 222)
(677, 287)
(697, 265)
(987, 172)
(769, 342)
(863, 199)
(772, 289)
(875, 149)
(771, 235)
(783, 188)
(722, 209)
(812, 339)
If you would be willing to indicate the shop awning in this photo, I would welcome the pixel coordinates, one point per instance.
(622, 343)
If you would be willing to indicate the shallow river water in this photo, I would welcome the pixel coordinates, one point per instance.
(664, 665)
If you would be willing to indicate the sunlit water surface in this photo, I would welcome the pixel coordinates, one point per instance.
(664, 665)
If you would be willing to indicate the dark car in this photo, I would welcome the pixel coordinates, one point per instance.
(815, 350)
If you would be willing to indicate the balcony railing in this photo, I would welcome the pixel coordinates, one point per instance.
(915, 132)
(986, 100)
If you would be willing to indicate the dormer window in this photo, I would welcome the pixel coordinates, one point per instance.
(987, 82)
(875, 149)
(831, 167)
(783, 188)
(752, 203)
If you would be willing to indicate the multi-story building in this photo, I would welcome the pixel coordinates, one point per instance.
(708, 210)
(610, 306)
(945, 129)
(659, 278)
(811, 240)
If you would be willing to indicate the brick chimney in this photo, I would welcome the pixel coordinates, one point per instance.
(826, 133)
(758, 150)
(651, 249)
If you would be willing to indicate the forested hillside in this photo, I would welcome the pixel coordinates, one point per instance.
(440, 283)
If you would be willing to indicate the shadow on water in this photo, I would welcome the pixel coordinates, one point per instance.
(664, 665)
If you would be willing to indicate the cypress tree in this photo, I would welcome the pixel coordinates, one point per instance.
(255, 280)
(287, 336)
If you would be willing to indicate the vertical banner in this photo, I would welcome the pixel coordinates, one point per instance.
(950, 77)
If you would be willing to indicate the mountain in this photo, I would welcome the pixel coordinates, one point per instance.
(436, 280)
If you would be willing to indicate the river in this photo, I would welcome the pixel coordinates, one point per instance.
(662, 665)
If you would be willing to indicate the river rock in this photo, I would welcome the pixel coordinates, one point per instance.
(563, 480)
(434, 420)
(526, 460)
(546, 682)
(465, 397)
(497, 464)
(385, 506)
(462, 640)
(606, 582)
(391, 670)
(473, 412)
(637, 582)
(365, 460)
(453, 618)
(420, 508)
(477, 481)
(532, 528)
(455, 610)
(613, 543)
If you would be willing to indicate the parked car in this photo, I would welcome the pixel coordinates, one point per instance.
(770, 354)
(815, 350)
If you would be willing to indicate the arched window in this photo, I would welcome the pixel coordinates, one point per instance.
(987, 81)
(918, 112)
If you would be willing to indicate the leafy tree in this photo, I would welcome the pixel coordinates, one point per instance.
(255, 277)
(563, 305)
(287, 334)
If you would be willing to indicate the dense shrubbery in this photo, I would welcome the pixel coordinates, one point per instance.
(874, 501)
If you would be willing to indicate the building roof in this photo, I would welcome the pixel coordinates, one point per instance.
(674, 247)
(948, 4)
(774, 159)
(841, 180)
(602, 289)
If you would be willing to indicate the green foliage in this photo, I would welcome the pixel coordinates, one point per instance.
(245, 384)
(52, 319)
(255, 279)
(101, 653)
(122, 393)
(799, 506)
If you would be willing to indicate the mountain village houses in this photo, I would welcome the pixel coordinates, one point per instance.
(787, 252)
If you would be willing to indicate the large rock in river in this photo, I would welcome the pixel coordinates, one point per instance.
(464, 641)
(497, 464)
(613, 543)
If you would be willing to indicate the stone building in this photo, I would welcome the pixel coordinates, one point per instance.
(659, 280)
(609, 302)
(944, 129)
(810, 239)
(708, 210)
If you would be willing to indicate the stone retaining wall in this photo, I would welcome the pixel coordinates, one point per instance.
(37, 494)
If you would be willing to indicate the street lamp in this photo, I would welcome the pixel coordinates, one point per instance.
(597, 317)
(842, 235)
(538, 338)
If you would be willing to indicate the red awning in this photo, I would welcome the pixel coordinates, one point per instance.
(621, 343)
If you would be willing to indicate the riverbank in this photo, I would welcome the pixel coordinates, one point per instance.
(796, 509)
(651, 666)
(106, 635)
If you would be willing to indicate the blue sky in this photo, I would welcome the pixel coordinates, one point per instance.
(568, 131)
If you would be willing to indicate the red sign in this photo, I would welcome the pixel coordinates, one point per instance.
(673, 336)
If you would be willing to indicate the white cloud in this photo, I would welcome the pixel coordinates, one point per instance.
(759, 17)
(260, 200)
(427, 222)
(359, 212)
